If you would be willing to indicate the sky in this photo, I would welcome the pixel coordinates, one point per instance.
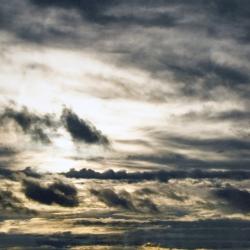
(124, 124)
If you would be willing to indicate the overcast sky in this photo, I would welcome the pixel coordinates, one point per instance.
(118, 115)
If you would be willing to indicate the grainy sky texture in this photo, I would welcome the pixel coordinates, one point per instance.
(124, 124)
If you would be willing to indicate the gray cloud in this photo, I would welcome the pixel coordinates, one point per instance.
(7, 151)
(125, 200)
(217, 144)
(36, 125)
(208, 234)
(110, 198)
(81, 130)
(10, 205)
(30, 123)
(236, 198)
(195, 70)
(157, 175)
(59, 193)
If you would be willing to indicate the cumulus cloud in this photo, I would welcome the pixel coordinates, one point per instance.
(59, 193)
(81, 130)
(30, 123)
(36, 125)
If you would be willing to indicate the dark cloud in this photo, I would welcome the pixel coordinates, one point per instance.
(236, 198)
(234, 115)
(148, 205)
(30, 123)
(36, 126)
(208, 75)
(81, 130)
(132, 202)
(217, 144)
(30, 172)
(110, 198)
(156, 175)
(208, 234)
(7, 151)
(197, 73)
(10, 204)
(59, 193)
(91, 10)
(6, 173)
(184, 161)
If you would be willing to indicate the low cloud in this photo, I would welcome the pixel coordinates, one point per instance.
(81, 130)
(38, 126)
(160, 175)
(236, 198)
(125, 200)
(110, 198)
(59, 193)
(10, 204)
(30, 123)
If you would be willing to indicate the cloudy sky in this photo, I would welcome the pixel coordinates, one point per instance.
(124, 124)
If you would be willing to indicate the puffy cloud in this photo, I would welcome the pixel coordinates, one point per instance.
(36, 125)
(81, 130)
(59, 193)
(30, 123)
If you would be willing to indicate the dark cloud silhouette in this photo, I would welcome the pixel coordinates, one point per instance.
(81, 130)
(148, 205)
(110, 198)
(236, 198)
(30, 172)
(123, 199)
(30, 123)
(59, 193)
(10, 204)
(6, 173)
(36, 126)
(156, 175)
